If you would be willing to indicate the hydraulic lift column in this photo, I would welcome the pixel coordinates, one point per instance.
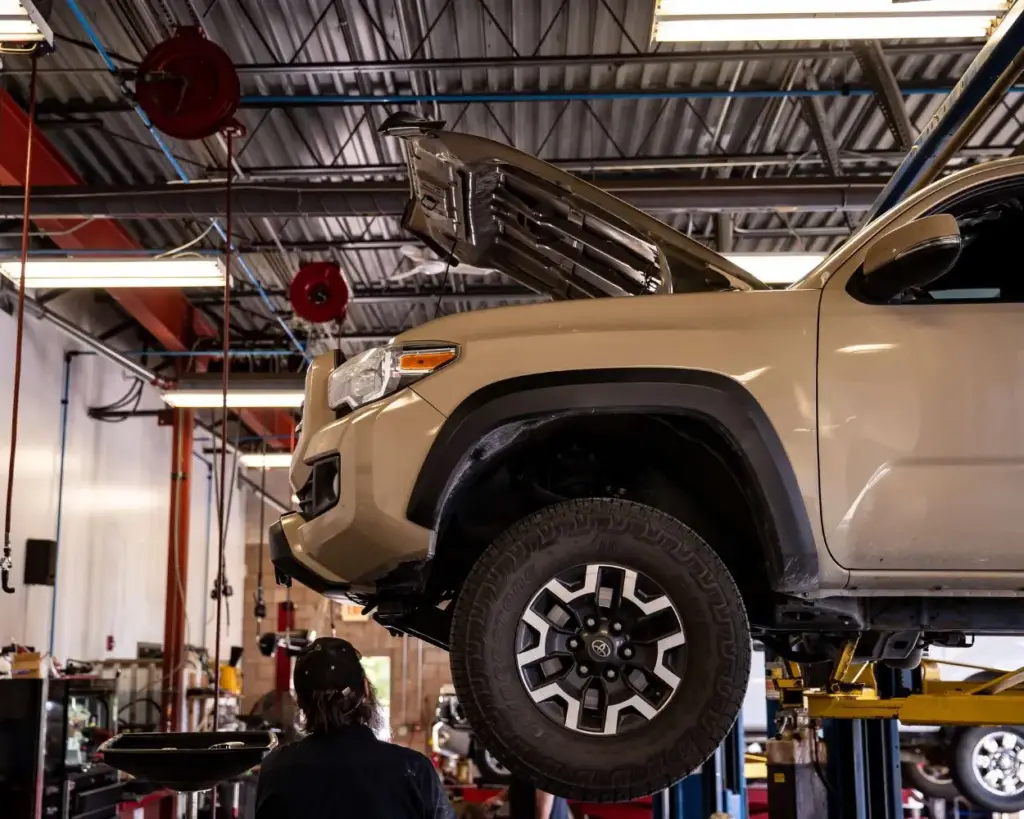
(718, 789)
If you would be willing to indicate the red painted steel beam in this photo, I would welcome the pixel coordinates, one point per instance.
(172, 691)
(164, 312)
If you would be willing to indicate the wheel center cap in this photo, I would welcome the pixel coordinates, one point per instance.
(601, 648)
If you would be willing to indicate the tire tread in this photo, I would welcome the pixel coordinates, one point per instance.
(509, 555)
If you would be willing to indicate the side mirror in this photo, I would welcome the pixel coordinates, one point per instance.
(913, 255)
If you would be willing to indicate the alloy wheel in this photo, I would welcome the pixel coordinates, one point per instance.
(601, 649)
(998, 762)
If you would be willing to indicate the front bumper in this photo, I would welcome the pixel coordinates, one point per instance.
(349, 535)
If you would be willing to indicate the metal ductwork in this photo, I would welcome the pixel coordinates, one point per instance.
(262, 200)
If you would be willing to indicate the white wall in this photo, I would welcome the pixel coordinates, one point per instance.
(114, 530)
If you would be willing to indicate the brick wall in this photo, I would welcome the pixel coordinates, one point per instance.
(425, 667)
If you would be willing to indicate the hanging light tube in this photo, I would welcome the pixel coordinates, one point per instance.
(237, 399)
(109, 274)
(801, 20)
(774, 8)
(204, 391)
(21, 22)
(266, 460)
(777, 268)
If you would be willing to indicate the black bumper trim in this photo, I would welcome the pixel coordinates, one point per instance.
(291, 567)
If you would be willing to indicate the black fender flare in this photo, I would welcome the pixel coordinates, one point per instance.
(720, 401)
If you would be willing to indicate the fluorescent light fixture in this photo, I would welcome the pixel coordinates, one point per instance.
(777, 268)
(237, 399)
(268, 460)
(244, 392)
(762, 8)
(21, 22)
(826, 28)
(113, 273)
(773, 20)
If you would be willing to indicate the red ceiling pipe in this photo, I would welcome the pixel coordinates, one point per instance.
(164, 312)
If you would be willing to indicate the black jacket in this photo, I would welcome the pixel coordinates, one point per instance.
(349, 774)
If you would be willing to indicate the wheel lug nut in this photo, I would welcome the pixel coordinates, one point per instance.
(616, 626)
(590, 622)
(584, 671)
(610, 674)
(627, 652)
(574, 643)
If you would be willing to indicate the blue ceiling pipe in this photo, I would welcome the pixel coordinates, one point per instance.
(182, 174)
(584, 96)
(983, 86)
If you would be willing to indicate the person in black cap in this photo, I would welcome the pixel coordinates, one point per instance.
(340, 768)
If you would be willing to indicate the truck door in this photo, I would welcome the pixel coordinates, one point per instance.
(921, 409)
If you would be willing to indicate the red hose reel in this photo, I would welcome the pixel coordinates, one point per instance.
(188, 86)
(319, 293)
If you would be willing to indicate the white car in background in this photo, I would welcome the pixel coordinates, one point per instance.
(983, 764)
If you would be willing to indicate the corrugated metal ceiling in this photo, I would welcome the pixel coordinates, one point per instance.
(115, 148)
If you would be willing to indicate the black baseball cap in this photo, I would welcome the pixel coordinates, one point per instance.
(329, 664)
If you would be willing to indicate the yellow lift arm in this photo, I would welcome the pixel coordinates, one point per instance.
(852, 694)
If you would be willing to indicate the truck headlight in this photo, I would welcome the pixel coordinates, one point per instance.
(379, 372)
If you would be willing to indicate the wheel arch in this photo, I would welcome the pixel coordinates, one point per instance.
(495, 417)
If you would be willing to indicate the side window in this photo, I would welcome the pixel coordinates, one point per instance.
(991, 266)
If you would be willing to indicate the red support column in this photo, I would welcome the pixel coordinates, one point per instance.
(172, 702)
(282, 660)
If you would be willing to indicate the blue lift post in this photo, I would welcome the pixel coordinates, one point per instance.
(718, 788)
(973, 98)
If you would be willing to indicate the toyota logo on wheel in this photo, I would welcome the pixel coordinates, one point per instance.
(601, 648)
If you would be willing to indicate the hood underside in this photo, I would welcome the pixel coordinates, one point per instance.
(477, 202)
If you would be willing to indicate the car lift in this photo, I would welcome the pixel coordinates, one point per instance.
(718, 789)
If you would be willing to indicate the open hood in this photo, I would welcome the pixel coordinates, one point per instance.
(475, 201)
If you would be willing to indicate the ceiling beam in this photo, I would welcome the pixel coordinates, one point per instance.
(664, 194)
(283, 100)
(879, 75)
(821, 130)
(164, 313)
(829, 52)
(610, 165)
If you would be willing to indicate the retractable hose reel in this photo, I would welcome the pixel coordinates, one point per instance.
(189, 89)
(319, 293)
(188, 86)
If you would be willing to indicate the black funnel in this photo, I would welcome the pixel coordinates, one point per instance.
(187, 762)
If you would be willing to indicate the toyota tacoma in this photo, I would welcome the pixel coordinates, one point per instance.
(594, 502)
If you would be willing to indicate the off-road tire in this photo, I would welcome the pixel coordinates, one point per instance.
(567, 763)
(962, 769)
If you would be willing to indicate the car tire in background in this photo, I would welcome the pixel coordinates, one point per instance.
(601, 649)
(933, 781)
(492, 772)
(987, 764)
